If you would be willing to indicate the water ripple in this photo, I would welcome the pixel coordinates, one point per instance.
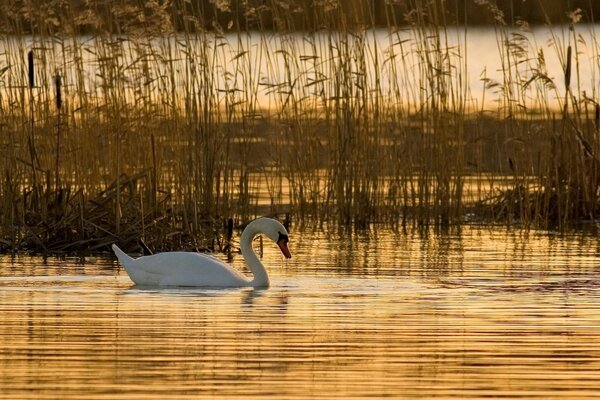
(478, 314)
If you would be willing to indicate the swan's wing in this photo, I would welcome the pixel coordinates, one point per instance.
(162, 263)
(194, 269)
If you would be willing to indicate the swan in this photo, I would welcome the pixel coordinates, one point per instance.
(194, 269)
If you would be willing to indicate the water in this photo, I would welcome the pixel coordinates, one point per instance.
(264, 68)
(470, 313)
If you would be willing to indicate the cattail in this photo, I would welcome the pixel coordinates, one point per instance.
(597, 116)
(31, 70)
(568, 69)
(511, 164)
(58, 84)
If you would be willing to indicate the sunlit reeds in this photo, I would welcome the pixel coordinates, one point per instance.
(550, 152)
(155, 120)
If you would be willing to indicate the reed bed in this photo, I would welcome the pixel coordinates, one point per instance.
(123, 120)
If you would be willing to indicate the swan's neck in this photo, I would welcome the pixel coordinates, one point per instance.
(260, 276)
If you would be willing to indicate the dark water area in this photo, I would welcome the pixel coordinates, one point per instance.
(472, 313)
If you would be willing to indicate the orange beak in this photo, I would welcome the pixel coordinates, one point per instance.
(282, 243)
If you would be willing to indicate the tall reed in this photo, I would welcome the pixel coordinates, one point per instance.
(183, 115)
(550, 152)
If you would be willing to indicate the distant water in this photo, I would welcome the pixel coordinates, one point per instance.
(269, 67)
(470, 313)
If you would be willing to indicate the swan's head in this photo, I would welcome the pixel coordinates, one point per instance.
(275, 231)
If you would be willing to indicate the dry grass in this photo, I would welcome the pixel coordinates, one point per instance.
(141, 129)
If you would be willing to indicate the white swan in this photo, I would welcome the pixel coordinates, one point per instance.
(195, 269)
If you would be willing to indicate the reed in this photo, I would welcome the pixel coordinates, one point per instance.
(550, 153)
(166, 120)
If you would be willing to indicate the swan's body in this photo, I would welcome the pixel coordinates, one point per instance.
(195, 269)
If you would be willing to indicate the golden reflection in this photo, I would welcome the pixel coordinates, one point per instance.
(473, 313)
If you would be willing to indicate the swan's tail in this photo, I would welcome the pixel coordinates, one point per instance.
(124, 259)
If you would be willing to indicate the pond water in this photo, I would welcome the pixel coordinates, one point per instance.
(470, 313)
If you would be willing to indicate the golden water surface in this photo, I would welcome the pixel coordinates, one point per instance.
(472, 313)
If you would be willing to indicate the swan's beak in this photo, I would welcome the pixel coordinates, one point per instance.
(282, 243)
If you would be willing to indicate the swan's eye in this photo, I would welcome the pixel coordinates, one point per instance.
(282, 237)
